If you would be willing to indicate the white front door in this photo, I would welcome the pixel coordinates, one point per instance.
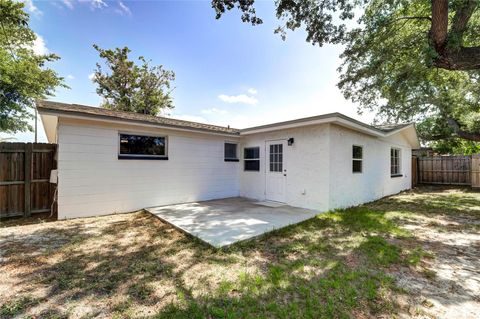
(276, 171)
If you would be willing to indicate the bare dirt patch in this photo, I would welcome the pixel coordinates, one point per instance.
(413, 255)
(445, 284)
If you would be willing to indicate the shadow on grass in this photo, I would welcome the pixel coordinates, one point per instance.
(281, 295)
(329, 266)
(39, 218)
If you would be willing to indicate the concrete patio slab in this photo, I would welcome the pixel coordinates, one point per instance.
(223, 222)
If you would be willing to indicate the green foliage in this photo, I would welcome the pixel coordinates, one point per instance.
(387, 69)
(324, 21)
(388, 62)
(24, 77)
(132, 88)
(456, 146)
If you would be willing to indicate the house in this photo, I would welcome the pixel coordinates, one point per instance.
(112, 162)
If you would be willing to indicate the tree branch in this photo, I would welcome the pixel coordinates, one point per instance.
(463, 59)
(461, 133)
(413, 18)
(451, 55)
(461, 18)
(439, 27)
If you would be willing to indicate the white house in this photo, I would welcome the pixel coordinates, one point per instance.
(111, 162)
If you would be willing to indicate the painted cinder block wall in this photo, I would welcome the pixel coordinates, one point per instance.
(319, 167)
(348, 188)
(93, 181)
(307, 164)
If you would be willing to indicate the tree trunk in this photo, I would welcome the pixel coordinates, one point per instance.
(439, 27)
(455, 56)
(463, 59)
(463, 134)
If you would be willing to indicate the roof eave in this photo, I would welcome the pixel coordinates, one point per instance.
(334, 118)
(110, 119)
(414, 140)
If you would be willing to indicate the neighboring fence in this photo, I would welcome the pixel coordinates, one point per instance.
(414, 171)
(25, 178)
(476, 170)
(448, 170)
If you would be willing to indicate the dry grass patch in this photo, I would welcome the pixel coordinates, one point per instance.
(401, 256)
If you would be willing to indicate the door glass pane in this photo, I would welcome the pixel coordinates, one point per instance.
(276, 157)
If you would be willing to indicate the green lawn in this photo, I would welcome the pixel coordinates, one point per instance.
(341, 264)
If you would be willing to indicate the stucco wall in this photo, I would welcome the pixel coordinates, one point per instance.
(348, 188)
(307, 164)
(93, 181)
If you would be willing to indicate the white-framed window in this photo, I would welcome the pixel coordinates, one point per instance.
(395, 162)
(251, 159)
(231, 152)
(142, 146)
(357, 159)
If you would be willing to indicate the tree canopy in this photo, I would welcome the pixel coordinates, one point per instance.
(406, 60)
(24, 77)
(451, 23)
(388, 68)
(130, 87)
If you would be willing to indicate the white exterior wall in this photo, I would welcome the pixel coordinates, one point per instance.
(93, 181)
(307, 163)
(348, 188)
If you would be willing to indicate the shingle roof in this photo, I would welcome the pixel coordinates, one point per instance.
(98, 112)
(387, 128)
(101, 113)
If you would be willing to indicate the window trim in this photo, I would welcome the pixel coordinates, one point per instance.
(121, 156)
(399, 173)
(231, 159)
(357, 159)
(251, 159)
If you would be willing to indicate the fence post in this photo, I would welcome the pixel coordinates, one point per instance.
(475, 171)
(414, 171)
(28, 177)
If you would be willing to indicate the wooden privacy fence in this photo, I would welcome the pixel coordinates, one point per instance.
(25, 178)
(414, 171)
(476, 170)
(448, 170)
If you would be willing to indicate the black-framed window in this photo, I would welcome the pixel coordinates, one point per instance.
(251, 159)
(395, 162)
(357, 159)
(133, 146)
(231, 152)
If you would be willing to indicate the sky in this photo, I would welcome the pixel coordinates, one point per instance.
(227, 72)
